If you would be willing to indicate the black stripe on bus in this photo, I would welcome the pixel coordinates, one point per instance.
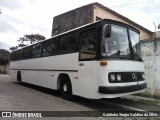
(47, 70)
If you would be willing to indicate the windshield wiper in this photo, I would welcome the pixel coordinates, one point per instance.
(131, 49)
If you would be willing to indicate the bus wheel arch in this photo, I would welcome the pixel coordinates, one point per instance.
(65, 86)
(19, 77)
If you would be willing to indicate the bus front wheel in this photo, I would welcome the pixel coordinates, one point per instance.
(66, 89)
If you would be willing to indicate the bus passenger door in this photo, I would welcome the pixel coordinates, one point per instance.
(88, 64)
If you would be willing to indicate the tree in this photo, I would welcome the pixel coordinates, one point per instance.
(4, 56)
(13, 48)
(30, 38)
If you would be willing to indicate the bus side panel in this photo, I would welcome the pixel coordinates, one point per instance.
(44, 71)
(88, 82)
(13, 73)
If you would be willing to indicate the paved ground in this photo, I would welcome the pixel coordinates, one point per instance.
(15, 97)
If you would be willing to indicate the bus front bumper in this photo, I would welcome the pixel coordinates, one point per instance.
(121, 89)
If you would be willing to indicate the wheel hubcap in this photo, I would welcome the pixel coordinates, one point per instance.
(65, 88)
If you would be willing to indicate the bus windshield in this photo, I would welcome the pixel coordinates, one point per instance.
(118, 44)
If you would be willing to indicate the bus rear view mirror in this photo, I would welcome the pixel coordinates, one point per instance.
(107, 31)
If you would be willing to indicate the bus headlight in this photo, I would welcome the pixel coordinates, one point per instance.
(112, 77)
(118, 77)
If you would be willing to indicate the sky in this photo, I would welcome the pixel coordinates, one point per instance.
(20, 17)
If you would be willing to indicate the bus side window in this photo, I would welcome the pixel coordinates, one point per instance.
(49, 47)
(16, 55)
(36, 50)
(27, 52)
(12, 56)
(67, 44)
(88, 45)
(20, 53)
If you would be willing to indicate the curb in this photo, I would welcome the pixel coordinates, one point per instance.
(144, 100)
(4, 75)
(122, 106)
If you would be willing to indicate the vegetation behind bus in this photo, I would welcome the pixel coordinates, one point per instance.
(4, 56)
(28, 38)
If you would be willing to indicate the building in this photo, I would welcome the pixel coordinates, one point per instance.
(91, 13)
(4, 69)
(156, 34)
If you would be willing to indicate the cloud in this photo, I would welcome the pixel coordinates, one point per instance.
(13, 19)
(4, 45)
(142, 12)
(11, 4)
(6, 26)
(22, 17)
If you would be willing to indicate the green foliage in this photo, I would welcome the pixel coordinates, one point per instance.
(4, 56)
(21, 45)
(13, 48)
(30, 38)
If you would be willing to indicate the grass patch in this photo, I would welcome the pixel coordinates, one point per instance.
(149, 102)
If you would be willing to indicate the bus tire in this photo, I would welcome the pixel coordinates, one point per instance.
(19, 78)
(66, 89)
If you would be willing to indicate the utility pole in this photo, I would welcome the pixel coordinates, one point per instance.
(159, 26)
(155, 28)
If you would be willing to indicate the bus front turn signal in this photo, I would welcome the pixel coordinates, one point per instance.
(103, 63)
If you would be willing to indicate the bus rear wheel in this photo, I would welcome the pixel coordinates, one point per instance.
(19, 79)
(66, 89)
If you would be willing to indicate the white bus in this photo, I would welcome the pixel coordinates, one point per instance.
(97, 60)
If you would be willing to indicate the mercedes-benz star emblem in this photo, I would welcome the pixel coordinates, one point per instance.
(134, 76)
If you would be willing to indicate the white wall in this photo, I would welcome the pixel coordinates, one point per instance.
(150, 51)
